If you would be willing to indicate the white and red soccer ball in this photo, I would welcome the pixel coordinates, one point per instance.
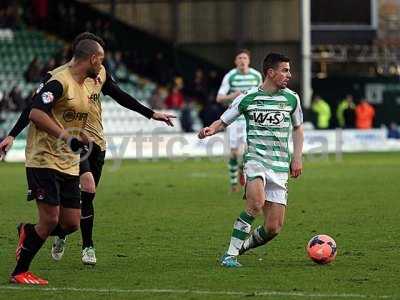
(322, 249)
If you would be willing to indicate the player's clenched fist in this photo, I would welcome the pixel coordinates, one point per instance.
(214, 128)
(206, 131)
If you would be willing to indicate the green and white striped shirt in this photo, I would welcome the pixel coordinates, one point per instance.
(235, 81)
(269, 118)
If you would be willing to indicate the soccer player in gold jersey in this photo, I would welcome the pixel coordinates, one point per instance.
(56, 133)
(92, 163)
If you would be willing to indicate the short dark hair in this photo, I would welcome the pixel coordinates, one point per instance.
(85, 48)
(272, 60)
(243, 50)
(87, 36)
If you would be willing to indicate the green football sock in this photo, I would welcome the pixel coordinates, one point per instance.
(258, 238)
(241, 229)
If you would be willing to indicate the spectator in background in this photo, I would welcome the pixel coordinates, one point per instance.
(32, 74)
(109, 63)
(393, 131)
(350, 116)
(7, 103)
(212, 107)
(199, 87)
(66, 20)
(17, 99)
(213, 83)
(157, 99)
(365, 114)
(175, 99)
(108, 35)
(121, 72)
(9, 14)
(322, 112)
(118, 60)
(61, 55)
(345, 112)
(98, 27)
(50, 65)
(187, 116)
(210, 112)
(160, 69)
(41, 12)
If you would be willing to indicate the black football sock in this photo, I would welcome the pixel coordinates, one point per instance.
(31, 246)
(87, 219)
(258, 238)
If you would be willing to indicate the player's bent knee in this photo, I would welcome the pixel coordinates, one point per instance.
(255, 207)
(48, 224)
(51, 220)
(87, 183)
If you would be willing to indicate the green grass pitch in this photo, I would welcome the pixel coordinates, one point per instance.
(161, 226)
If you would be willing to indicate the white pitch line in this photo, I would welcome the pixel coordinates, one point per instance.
(198, 292)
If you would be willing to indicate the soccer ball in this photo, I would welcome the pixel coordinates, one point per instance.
(322, 249)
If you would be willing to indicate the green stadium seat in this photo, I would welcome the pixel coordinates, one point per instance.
(16, 55)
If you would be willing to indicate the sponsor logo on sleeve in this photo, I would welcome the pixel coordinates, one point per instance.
(47, 97)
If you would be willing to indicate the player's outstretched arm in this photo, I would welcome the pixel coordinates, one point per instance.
(124, 99)
(296, 165)
(214, 128)
(111, 89)
(230, 115)
(21, 123)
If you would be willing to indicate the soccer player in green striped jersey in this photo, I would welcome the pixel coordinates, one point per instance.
(271, 112)
(235, 82)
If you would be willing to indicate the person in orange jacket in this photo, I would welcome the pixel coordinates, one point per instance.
(365, 114)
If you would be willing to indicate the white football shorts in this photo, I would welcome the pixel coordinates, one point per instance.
(275, 184)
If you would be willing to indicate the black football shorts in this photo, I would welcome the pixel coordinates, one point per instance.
(53, 187)
(92, 162)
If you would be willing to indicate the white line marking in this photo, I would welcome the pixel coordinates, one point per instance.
(198, 292)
